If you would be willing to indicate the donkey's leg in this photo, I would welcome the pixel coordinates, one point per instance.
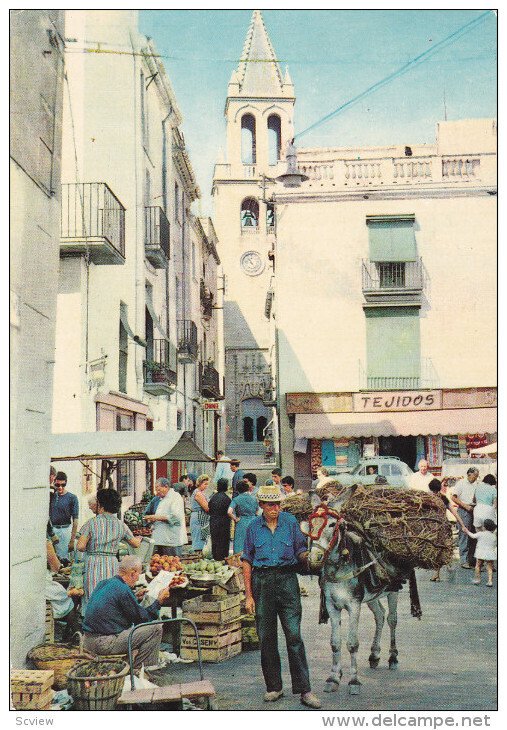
(392, 620)
(354, 608)
(379, 614)
(333, 681)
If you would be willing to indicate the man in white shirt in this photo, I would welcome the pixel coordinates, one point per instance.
(420, 479)
(169, 529)
(463, 495)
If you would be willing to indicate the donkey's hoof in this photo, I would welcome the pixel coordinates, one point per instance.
(393, 664)
(331, 685)
(354, 687)
(374, 661)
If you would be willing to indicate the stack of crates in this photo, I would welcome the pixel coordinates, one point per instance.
(219, 626)
(31, 688)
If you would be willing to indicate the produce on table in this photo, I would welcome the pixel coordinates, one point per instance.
(178, 580)
(165, 562)
(215, 567)
(75, 591)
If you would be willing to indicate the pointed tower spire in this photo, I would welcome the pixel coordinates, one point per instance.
(258, 71)
(287, 82)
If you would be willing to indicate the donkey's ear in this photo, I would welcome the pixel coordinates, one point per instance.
(315, 500)
(345, 493)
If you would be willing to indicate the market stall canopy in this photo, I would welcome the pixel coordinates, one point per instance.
(131, 445)
(489, 450)
(413, 423)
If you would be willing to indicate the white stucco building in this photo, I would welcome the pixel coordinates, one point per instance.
(377, 274)
(130, 327)
(36, 67)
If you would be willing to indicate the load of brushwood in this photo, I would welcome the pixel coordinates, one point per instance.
(298, 505)
(407, 527)
(329, 490)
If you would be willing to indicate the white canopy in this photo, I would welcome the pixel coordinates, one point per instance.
(132, 445)
(489, 450)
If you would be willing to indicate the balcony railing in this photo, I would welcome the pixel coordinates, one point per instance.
(391, 275)
(427, 378)
(206, 299)
(160, 372)
(156, 236)
(187, 341)
(93, 222)
(209, 382)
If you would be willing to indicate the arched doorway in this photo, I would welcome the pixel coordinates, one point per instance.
(255, 419)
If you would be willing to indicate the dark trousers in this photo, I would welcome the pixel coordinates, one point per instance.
(176, 550)
(276, 595)
(465, 544)
(220, 530)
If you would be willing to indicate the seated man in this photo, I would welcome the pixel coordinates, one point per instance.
(113, 610)
(62, 605)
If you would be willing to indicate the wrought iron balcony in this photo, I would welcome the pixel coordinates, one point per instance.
(393, 282)
(160, 373)
(92, 222)
(206, 298)
(427, 377)
(156, 236)
(209, 382)
(187, 341)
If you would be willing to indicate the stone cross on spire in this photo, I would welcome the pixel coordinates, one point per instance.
(258, 73)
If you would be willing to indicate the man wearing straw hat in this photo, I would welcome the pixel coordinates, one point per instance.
(274, 545)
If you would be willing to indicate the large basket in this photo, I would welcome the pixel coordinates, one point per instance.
(92, 692)
(59, 657)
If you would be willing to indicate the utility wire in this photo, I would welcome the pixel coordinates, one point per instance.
(421, 58)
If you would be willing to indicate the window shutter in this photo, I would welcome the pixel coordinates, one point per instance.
(392, 239)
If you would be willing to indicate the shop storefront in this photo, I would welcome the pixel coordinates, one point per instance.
(338, 429)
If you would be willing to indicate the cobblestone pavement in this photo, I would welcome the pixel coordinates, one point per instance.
(447, 660)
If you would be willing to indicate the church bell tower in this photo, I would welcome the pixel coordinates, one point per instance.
(259, 124)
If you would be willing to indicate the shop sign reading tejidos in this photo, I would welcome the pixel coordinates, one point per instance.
(402, 400)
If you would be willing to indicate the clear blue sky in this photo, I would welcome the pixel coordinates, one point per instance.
(332, 56)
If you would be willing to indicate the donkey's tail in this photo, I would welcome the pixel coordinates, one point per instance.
(415, 605)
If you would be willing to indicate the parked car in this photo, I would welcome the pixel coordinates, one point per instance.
(393, 469)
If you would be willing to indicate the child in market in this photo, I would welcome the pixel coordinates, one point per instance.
(485, 550)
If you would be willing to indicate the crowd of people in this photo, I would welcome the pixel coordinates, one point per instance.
(230, 508)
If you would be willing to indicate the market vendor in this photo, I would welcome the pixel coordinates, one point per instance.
(274, 545)
(168, 520)
(62, 604)
(63, 513)
(113, 610)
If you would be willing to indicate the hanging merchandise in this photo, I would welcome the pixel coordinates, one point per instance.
(421, 452)
(463, 451)
(328, 453)
(354, 453)
(434, 451)
(316, 455)
(476, 441)
(341, 452)
(450, 447)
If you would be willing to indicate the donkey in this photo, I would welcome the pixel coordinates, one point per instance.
(351, 574)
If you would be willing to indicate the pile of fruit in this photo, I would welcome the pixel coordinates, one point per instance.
(215, 567)
(165, 562)
(133, 518)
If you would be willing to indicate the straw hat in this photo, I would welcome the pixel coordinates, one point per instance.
(269, 494)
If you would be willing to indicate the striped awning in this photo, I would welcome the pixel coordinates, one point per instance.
(412, 423)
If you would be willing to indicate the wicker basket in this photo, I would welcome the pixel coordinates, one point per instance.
(58, 657)
(92, 692)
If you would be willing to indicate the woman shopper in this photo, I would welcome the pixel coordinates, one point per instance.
(100, 538)
(485, 502)
(199, 518)
(243, 509)
(219, 521)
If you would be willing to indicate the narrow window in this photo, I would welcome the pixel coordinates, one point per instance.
(248, 434)
(270, 218)
(248, 143)
(274, 138)
(249, 214)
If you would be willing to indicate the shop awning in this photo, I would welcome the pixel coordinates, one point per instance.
(131, 445)
(413, 423)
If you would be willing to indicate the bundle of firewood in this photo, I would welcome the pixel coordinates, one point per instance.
(298, 505)
(408, 527)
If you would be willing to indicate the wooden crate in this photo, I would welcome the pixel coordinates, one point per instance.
(209, 630)
(212, 609)
(31, 681)
(190, 558)
(49, 625)
(212, 655)
(212, 642)
(32, 701)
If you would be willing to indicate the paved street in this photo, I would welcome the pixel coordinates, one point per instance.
(447, 660)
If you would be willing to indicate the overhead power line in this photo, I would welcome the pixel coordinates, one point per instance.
(421, 58)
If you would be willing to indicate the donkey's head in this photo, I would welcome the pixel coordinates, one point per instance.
(323, 531)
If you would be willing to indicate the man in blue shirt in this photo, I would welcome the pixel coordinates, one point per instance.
(237, 475)
(274, 545)
(113, 610)
(63, 513)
